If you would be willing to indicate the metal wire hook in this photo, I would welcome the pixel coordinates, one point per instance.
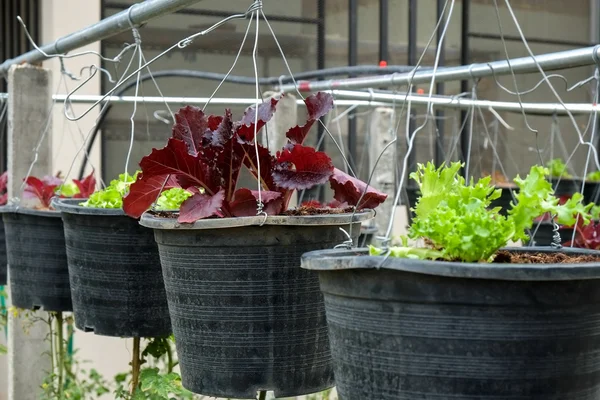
(347, 244)
(256, 6)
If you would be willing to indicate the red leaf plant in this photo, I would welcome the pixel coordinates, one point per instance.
(205, 155)
(4, 188)
(44, 189)
(586, 237)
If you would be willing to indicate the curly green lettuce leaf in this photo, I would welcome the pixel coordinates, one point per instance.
(172, 199)
(112, 195)
(593, 176)
(558, 169)
(68, 189)
(454, 218)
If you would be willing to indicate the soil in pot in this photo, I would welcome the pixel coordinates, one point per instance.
(415, 330)
(245, 316)
(116, 278)
(37, 259)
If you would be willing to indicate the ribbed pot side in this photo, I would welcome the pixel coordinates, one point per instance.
(245, 316)
(409, 335)
(37, 259)
(116, 278)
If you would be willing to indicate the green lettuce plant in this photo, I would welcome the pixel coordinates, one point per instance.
(112, 195)
(172, 199)
(558, 169)
(593, 176)
(455, 222)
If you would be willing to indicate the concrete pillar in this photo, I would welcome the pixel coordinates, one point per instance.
(29, 114)
(382, 132)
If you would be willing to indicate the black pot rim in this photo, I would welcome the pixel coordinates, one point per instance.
(71, 206)
(16, 209)
(151, 221)
(331, 260)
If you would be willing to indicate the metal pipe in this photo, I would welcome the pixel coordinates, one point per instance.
(225, 14)
(352, 60)
(465, 103)
(549, 61)
(510, 38)
(440, 87)
(464, 84)
(347, 98)
(138, 14)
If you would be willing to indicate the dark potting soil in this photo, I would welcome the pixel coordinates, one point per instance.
(505, 257)
(300, 211)
(308, 210)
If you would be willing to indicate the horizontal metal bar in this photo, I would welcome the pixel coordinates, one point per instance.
(529, 40)
(225, 14)
(138, 14)
(463, 103)
(549, 62)
(350, 98)
(90, 99)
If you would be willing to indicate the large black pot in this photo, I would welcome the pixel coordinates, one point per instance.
(245, 316)
(566, 187)
(505, 199)
(116, 278)
(37, 259)
(413, 330)
(3, 262)
(591, 192)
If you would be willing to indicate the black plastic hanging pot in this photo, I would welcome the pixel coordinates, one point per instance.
(591, 192)
(505, 199)
(116, 278)
(3, 262)
(37, 259)
(414, 330)
(566, 187)
(367, 233)
(245, 316)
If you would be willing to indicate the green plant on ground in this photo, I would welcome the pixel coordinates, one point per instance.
(68, 379)
(558, 169)
(152, 375)
(454, 220)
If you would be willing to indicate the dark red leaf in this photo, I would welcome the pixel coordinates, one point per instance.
(245, 128)
(301, 167)
(245, 201)
(86, 187)
(267, 162)
(190, 126)
(174, 160)
(3, 181)
(348, 189)
(144, 191)
(41, 189)
(201, 206)
(220, 131)
(587, 237)
(317, 105)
